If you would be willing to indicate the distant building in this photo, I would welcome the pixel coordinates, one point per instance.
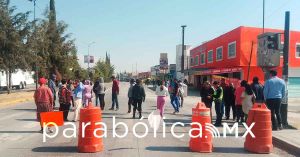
(228, 56)
(179, 74)
(172, 71)
(144, 75)
(155, 71)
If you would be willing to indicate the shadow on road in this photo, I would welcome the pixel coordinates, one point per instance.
(61, 149)
(19, 132)
(168, 149)
(115, 149)
(230, 150)
(27, 120)
(25, 109)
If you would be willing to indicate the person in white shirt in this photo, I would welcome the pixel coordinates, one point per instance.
(181, 92)
(248, 99)
(161, 92)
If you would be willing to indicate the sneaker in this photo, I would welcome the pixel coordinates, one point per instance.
(128, 111)
(117, 109)
(50, 130)
(111, 109)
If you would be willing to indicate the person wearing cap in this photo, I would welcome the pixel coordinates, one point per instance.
(129, 94)
(52, 86)
(115, 93)
(43, 99)
(218, 97)
(274, 91)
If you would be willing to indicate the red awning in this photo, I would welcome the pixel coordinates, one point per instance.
(218, 71)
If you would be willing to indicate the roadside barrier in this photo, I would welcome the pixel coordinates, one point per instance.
(262, 143)
(52, 117)
(87, 141)
(203, 143)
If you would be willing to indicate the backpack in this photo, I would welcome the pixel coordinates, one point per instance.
(64, 95)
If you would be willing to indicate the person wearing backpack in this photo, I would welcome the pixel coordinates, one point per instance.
(64, 99)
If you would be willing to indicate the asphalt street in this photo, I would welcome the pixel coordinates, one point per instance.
(19, 134)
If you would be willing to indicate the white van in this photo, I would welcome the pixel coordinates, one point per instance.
(20, 79)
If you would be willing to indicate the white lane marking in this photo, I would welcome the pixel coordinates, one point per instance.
(31, 125)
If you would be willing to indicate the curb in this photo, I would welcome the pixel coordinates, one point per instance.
(285, 145)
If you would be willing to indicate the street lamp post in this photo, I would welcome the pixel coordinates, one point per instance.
(182, 55)
(36, 64)
(263, 16)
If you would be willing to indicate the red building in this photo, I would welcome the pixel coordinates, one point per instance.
(229, 55)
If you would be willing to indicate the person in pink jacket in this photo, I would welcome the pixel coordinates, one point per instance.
(238, 101)
(87, 93)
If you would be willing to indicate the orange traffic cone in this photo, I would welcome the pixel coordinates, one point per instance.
(262, 129)
(202, 144)
(89, 143)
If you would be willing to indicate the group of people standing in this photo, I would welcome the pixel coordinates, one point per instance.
(76, 93)
(240, 99)
(172, 88)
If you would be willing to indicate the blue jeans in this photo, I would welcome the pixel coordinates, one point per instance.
(222, 108)
(175, 102)
(115, 101)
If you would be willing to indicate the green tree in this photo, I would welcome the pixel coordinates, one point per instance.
(103, 69)
(56, 52)
(14, 31)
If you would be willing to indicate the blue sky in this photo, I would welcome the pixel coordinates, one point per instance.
(137, 31)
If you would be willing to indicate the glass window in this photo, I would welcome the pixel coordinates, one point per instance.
(202, 58)
(219, 53)
(232, 50)
(298, 51)
(210, 56)
(196, 61)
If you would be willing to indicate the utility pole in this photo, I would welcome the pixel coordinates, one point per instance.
(263, 16)
(285, 72)
(36, 55)
(183, 47)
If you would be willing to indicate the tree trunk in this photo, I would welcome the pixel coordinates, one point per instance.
(7, 81)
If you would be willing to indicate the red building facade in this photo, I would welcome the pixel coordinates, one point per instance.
(229, 55)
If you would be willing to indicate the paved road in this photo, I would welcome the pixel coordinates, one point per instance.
(19, 134)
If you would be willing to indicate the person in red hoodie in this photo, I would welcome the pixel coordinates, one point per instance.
(115, 93)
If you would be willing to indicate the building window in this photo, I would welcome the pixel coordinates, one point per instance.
(202, 58)
(232, 50)
(210, 56)
(196, 61)
(219, 53)
(298, 50)
(191, 61)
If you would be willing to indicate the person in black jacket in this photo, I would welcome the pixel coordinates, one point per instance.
(206, 95)
(138, 95)
(229, 100)
(258, 90)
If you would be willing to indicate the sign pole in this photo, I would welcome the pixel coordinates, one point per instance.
(285, 72)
